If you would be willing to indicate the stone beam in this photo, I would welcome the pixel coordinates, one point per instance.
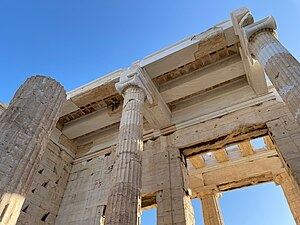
(247, 123)
(90, 123)
(254, 71)
(221, 155)
(202, 79)
(190, 49)
(158, 114)
(250, 132)
(246, 148)
(237, 173)
(197, 161)
(26, 126)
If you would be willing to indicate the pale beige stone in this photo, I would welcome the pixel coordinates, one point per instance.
(221, 155)
(204, 94)
(124, 201)
(292, 193)
(246, 148)
(279, 64)
(25, 127)
(211, 209)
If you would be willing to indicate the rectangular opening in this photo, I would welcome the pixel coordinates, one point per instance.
(148, 217)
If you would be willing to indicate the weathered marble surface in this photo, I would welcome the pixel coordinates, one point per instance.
(124, 201)
(25, 129)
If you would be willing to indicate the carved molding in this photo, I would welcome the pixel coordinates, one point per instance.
(134, 76)
(267, 23)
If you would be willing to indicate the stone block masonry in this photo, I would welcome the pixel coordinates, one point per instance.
(47, 189)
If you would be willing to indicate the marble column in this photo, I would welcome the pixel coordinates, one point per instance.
(124, 201)
(25, 127)
(211, 208)
(291, 192)
(279, 64)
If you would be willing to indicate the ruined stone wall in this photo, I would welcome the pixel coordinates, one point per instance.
(165, 173)
(164, 178)
(46, 192)
(87, 191)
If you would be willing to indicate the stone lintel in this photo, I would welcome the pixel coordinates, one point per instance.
(197, 161)
(221, 155)
(246, 148)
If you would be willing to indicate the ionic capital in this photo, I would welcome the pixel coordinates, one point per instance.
(245, 27)
(266, 24)
(134, 76)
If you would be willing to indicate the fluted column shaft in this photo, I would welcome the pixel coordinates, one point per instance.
(25, 128)
(280, 66)
(211, 209)
(292, 194)
(124, 201)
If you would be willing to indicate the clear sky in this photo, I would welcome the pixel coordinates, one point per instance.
(263, 204)
(77, 41)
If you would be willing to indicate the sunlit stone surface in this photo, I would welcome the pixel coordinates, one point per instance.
(176, 125)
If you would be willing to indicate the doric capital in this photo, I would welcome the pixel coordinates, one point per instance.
(267, 23)
(135, 76)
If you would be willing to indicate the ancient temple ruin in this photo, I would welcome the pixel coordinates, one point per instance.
(176, 125)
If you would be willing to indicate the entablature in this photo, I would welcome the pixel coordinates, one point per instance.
(196, 79)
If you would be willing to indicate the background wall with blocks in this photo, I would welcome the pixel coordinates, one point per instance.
(46, 192)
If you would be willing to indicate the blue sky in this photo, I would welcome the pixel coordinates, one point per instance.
(257, 205)
(78, 41)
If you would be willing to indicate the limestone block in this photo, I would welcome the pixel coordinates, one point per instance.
(285, 134)
(47, 188)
